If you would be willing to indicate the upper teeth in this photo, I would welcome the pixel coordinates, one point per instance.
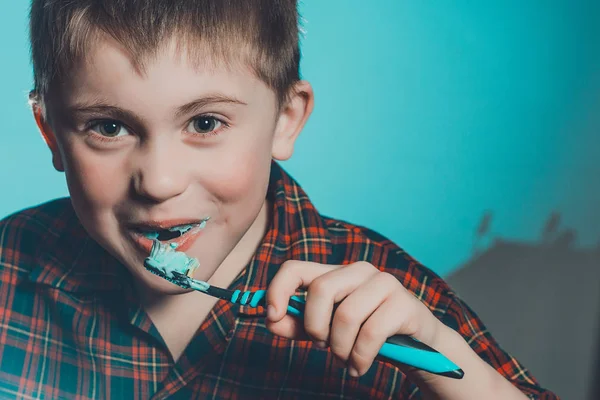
(181, 228)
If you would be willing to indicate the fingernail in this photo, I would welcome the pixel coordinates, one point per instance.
(321, 344)
(353, 372)
(271, 312)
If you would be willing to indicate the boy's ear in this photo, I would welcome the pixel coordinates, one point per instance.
(48, 136)
(292, 118)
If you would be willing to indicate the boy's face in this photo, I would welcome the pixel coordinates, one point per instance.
(172, 146)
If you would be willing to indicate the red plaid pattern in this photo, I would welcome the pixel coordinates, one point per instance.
(70, 326)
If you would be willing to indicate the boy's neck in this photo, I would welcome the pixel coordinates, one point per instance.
(243, 252)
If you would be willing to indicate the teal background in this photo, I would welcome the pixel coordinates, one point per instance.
(427, 115)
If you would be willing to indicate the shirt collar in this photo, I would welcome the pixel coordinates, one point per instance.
(296, 232)
(70, 260)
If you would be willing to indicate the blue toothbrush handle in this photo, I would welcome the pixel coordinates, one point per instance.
(398, 348)
(403, 349)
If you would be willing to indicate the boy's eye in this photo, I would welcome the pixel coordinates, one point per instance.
(109, 128)
(204, 124)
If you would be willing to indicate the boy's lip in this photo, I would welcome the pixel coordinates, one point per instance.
(184, 242)
(155, 225)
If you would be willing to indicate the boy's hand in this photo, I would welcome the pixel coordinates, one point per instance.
(373, 306)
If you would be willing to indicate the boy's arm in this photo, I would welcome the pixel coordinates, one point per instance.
(376, 304)
(464, 339)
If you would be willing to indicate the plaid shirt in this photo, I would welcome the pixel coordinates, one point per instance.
(70, 326)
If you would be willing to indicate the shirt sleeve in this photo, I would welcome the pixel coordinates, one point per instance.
(443, 302)
(460, 317)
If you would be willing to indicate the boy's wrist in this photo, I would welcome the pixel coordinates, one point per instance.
(448, 342)
(480, 380)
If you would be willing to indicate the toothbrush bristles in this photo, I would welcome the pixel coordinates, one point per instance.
(173, 266)
(181, 281)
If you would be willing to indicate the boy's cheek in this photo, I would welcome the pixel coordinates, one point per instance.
(239, 177)
(96, 182)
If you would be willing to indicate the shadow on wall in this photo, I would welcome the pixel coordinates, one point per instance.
(541, 301)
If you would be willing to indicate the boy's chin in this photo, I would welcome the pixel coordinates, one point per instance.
(159, 286)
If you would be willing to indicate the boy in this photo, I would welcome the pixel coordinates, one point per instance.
(166, 116)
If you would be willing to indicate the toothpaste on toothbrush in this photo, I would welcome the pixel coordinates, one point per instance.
(175, 266)
(165, 258)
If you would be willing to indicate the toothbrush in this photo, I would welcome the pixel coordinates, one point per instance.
(177, 268)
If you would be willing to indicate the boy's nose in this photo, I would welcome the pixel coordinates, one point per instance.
(159, 174)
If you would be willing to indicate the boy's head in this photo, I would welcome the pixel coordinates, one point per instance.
(165, 113)
(259, 34)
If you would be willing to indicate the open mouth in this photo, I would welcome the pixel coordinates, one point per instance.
(180, 236)
(174, 232)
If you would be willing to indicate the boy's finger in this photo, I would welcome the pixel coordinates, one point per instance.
(356, 309)
(288, 327)
(327, 290)
(393, 314)
(291, 275)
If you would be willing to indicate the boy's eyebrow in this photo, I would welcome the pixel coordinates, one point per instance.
(101, 107)
(197, 104)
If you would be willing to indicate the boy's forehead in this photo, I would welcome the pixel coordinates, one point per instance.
(174, 68)
(195, 57)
